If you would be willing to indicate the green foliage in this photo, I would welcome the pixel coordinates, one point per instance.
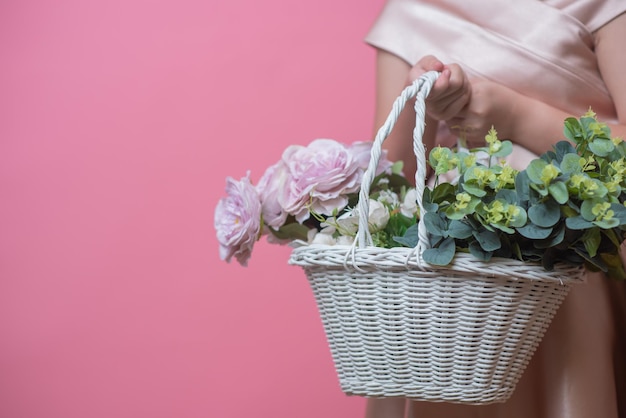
(566, 206)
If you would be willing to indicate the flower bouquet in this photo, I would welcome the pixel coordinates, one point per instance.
(437, 293)
(309, 196)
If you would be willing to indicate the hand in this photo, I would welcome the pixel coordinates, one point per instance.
(451, 92)
(491, 104)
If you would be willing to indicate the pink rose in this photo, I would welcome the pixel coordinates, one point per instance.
(270, 188)
(321, 176)
(362, 152)
(238, 220)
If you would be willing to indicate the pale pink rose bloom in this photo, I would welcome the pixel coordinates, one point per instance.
(322, 175)
(362, 153)
(238, 220)
(271, 187)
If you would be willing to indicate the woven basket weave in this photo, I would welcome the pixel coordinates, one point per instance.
(397, 326)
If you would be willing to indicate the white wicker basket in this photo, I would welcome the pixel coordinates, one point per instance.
(397, 326)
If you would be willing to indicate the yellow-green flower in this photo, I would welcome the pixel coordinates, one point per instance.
(619, 166)
(492, 141)
(549, 173)
(577, 180)
(462, 200)
(590, 113)
(586, 187)
(587, 164)
(484, 175)
(613, 186)
(469, 160)
(602, 211)
(512, 213)
(442, 160)
(597, 128)
(495, 212)
(506, 177)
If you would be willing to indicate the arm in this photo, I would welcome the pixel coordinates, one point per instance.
(612, 62)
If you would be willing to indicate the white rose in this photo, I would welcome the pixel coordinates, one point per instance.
(378, 216)
(409, 206)
(323, 239)
(389, 198)
(348, 223)
(345, 240)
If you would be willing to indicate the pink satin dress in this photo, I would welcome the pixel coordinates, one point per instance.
(542, 49)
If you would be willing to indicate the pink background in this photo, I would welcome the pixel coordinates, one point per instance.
(119, 121)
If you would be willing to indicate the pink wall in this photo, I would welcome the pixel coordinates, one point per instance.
(119, 121)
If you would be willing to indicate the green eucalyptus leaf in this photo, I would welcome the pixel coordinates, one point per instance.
(572, 130)
(553, 241)
(558, 190)
(520, 218)
(506, 148)
(577, 223)
(453, 214)
(587, 123)
(535, 169)
(410, 237)
(548, 156)
(562, 149)
(472, 187)
(570, 164)
(508, 195)
(488, 240)
(607, 223)
(540, 189)
(535, 232)
(619, 212)
(586, 209)
(545, 214)
(439, 159)
(430, 207)
(592, 239)
(444, 192)
(478, 252)
(441, 255)
(601, 147)
(291, 231)
(435, 224)
(504, 228)
(460, 230)
(427, 196)
(522, 186)
(397, 167)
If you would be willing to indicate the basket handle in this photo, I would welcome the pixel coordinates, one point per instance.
(418, 89)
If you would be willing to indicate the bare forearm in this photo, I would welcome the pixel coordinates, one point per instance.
(533, 124)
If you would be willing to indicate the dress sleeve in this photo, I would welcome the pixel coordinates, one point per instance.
(389, 31)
